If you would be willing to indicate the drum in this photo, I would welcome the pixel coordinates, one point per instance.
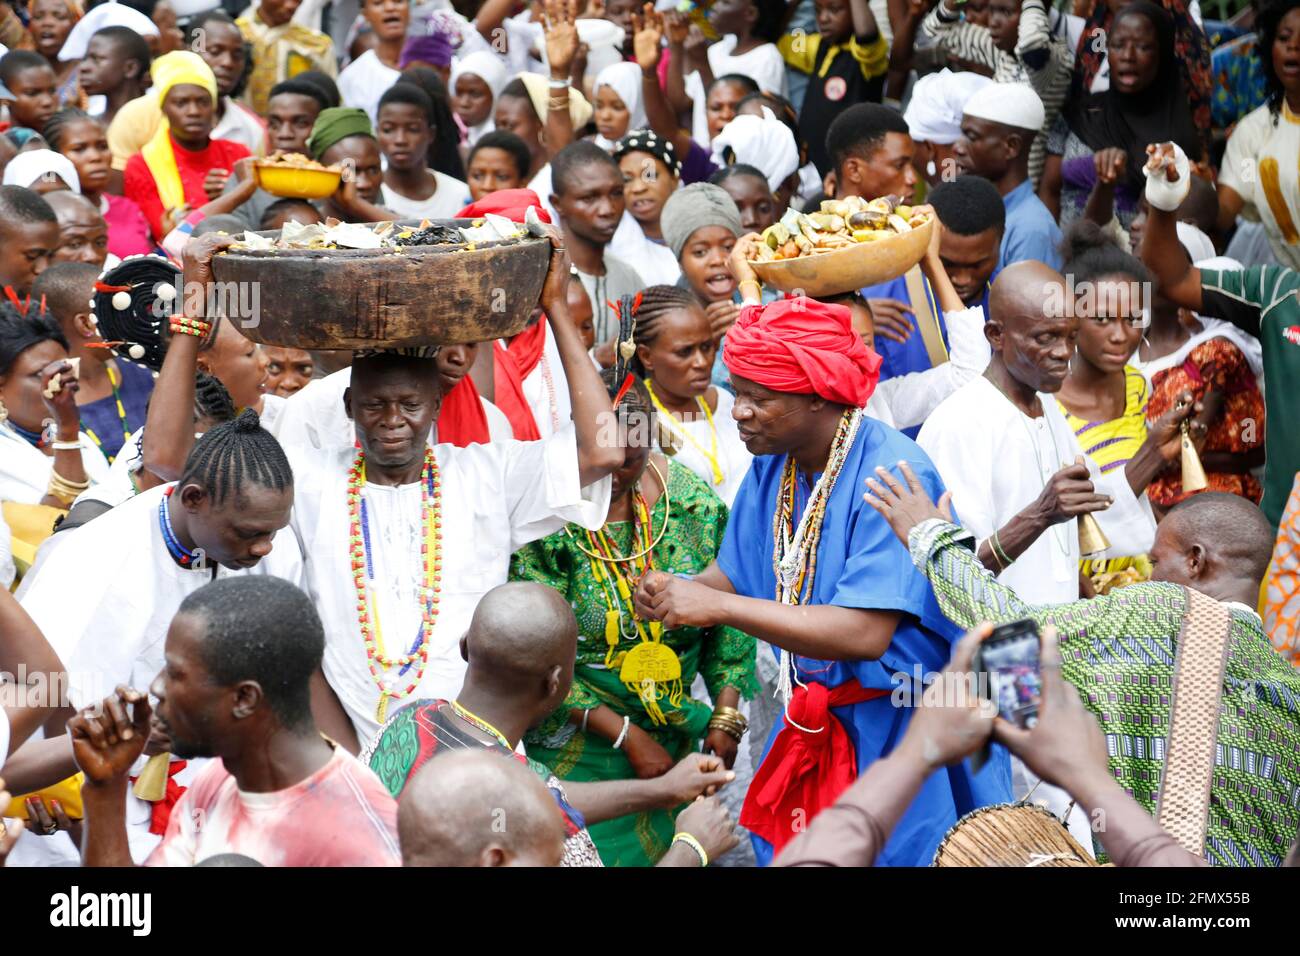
(1011, 834)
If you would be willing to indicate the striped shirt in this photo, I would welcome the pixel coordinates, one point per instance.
(1112, 444)
(1042, 59)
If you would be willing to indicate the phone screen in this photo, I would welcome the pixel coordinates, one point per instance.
(1009, 658)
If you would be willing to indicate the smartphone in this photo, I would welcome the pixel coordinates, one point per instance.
(1009, 670)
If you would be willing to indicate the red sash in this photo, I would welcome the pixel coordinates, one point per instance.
(461, 419)
(511, 366)
(804, 773)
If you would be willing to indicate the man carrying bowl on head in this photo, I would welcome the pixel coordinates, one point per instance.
(807, 567)
(400, 538)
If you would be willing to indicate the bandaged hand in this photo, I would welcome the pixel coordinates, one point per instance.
(1168, 173)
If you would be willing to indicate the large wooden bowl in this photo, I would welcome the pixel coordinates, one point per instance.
(860, 265)
(383, 298)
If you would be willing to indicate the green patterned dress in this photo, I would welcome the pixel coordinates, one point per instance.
(1119, 651)
(724, 656)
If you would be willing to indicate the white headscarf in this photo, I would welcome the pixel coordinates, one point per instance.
(104, 15)
(625, 80)
(488, 68)
(760, 141)
(25, 168)
(933, 114)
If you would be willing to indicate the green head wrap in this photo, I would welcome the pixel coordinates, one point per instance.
(335, 124)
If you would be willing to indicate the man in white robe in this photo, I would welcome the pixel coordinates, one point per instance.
(105, 593)
(491, 500)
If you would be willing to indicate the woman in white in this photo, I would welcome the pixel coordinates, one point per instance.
(674, 354)
(476, 81)
(45, 458)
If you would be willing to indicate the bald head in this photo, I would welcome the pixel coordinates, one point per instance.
(478, 808)
(521, 631)
(1030, 328)
(1215, 542)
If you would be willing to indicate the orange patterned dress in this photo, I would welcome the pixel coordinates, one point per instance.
(1215, 363)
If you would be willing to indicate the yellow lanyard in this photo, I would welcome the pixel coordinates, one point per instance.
(711, 456)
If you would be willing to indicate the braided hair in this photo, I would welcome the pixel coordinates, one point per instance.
(58, 124)
(656, 302)
(211, 400)
(132, 303)
(234, 454)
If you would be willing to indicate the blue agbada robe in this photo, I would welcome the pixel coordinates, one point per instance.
(862, 564)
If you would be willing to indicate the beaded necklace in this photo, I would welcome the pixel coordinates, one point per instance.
(121, 416)
(549, 382)
(1060, 532)
(474, 720)
(35, 439)
(794, 551)
(651, 669)
(363, 570)
(180, 554)
(712, 455)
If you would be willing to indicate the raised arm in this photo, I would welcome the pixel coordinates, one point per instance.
(966, 41)
(591, 407)
(1033, 38)
(561, 48)
(901, 51)
(1179, 281)
(647, 41)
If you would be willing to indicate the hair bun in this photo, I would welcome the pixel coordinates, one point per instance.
(248, 421)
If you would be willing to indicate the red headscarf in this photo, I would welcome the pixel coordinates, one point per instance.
(511, 203)
(803, 346)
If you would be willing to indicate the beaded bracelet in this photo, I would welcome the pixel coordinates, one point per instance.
(694, 844)
(184, 325)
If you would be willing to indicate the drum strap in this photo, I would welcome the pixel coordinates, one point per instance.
(926, 321)
(1197, 692)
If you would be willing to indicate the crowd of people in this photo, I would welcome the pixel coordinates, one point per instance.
(692, 570)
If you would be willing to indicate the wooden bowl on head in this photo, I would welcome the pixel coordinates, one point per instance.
(347, 299)
(288, 182)
(848, 269)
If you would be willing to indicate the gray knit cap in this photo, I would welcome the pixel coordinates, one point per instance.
(694, 207)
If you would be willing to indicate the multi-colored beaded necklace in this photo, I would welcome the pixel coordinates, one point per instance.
(794, 550)
(651, 669)
(121, 415)
(372, 633)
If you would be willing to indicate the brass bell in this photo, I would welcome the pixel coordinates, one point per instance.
(1092, 540)
(151, 785)
(1193, 472)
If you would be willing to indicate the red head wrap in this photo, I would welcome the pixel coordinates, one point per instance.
(511, 203)
(803, 346)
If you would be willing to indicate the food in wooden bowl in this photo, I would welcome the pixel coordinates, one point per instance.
(295, 176)
(849, 244)
(409, 284)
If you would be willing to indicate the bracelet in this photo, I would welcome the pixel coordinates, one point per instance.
(63, 489)
(734, 733)
(183, 325)
(996, 560)
(585, 715)
(622, 735)
(558, 84)
(694, 844)
(998, 553)
(66, 445)
(758, 287)
(558, 103)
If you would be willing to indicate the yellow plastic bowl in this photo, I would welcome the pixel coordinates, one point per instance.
(290, 183)
(850, 268)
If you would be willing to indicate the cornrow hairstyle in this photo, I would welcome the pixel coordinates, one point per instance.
(58, 124)
(656, 302)
(130, 43)
(234, 454)
(20, 331)
(211, 400)
(132, 304)
(508, 143)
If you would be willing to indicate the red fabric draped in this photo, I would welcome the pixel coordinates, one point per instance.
(803, 346)
(511, 365)
(804, 773)
(511, 203)
(461, 420)
(161, 812)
